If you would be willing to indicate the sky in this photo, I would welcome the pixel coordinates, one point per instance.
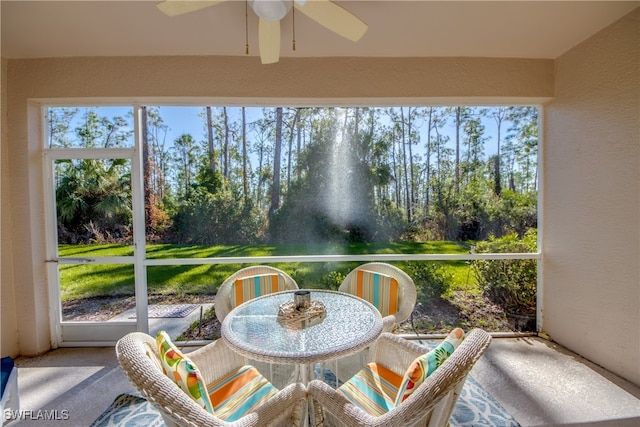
(187, 119)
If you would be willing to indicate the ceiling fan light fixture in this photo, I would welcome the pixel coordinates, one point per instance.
(271, 10)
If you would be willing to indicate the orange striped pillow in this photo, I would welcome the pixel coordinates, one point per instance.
(247, 288)
(239, 393)
(379, 289)
(373, 389)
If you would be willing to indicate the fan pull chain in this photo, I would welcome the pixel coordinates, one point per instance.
(293, 17)
(246, 27)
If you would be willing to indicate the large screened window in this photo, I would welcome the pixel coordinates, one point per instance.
(447, 193)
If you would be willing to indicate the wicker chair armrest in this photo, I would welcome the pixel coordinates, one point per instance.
(287, 408)
(337, 405)
(216, 359)
(350, 415)
(388, 323)
(396, 353)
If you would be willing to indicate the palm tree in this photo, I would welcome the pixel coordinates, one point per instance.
(93, 199)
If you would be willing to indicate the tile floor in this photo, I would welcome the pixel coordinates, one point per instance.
(538, 382)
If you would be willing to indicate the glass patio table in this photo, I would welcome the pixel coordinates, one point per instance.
(253, 330)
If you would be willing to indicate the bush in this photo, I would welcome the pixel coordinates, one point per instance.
(220, 218)
(510, 283)
(432, 280)
(331, 280)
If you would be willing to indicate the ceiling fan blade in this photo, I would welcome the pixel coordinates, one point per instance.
(333, 17)
(269, 41)
(179, 7)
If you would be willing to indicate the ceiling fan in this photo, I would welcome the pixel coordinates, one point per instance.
(270, 12)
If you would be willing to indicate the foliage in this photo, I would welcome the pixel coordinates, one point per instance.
(515, 212)
(219, 218)
(474, 221)
(343, 175)
(390, 222)
(325, 205)
(157, 220)
(432, 279)
(93, 200)
(512, 283)
(322, 276)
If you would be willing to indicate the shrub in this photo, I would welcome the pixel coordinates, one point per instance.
(510, 283)
(220, 218)
(431, 279)
(331, 280)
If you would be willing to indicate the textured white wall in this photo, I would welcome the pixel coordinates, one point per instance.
(8, 333)
(591, 214)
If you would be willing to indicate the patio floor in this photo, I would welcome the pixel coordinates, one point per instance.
(537, 381)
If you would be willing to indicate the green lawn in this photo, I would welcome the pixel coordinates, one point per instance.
(83, 281)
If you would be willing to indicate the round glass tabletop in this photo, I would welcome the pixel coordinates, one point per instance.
(350, 324)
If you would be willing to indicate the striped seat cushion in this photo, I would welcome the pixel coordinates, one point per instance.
(424, 365)
(239, 392)
(379, 289)
(373, 389)
(247, 288)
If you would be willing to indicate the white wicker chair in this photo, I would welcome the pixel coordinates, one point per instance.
(406, 291)
(431, 404)
(223, 302)
(279, 375)
(347, 367)
(138, 357)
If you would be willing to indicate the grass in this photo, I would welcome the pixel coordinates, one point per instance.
(90, 280)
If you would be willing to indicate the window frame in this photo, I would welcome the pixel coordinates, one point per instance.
(140, 260)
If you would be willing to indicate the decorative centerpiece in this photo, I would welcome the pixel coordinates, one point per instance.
(302, 312)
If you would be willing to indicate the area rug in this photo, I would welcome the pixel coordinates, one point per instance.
(475, 407)
(128, 410)
(168, 310)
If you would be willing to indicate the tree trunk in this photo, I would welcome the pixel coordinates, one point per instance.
(245, 180)
(212, 156)
(298, 148)
(458, 120)
(396, 171)
(411, 172)
(428, 163)
(404, 165)
(226, 143)
(259, 189)
(146, 173)
(290, 154)
(499, 115)
(275, 190)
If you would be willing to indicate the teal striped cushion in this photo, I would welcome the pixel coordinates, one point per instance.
(373, 389)
(247, 288)
(379, 289)
(239, 392)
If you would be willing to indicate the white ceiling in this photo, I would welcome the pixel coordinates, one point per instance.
(524, 29)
